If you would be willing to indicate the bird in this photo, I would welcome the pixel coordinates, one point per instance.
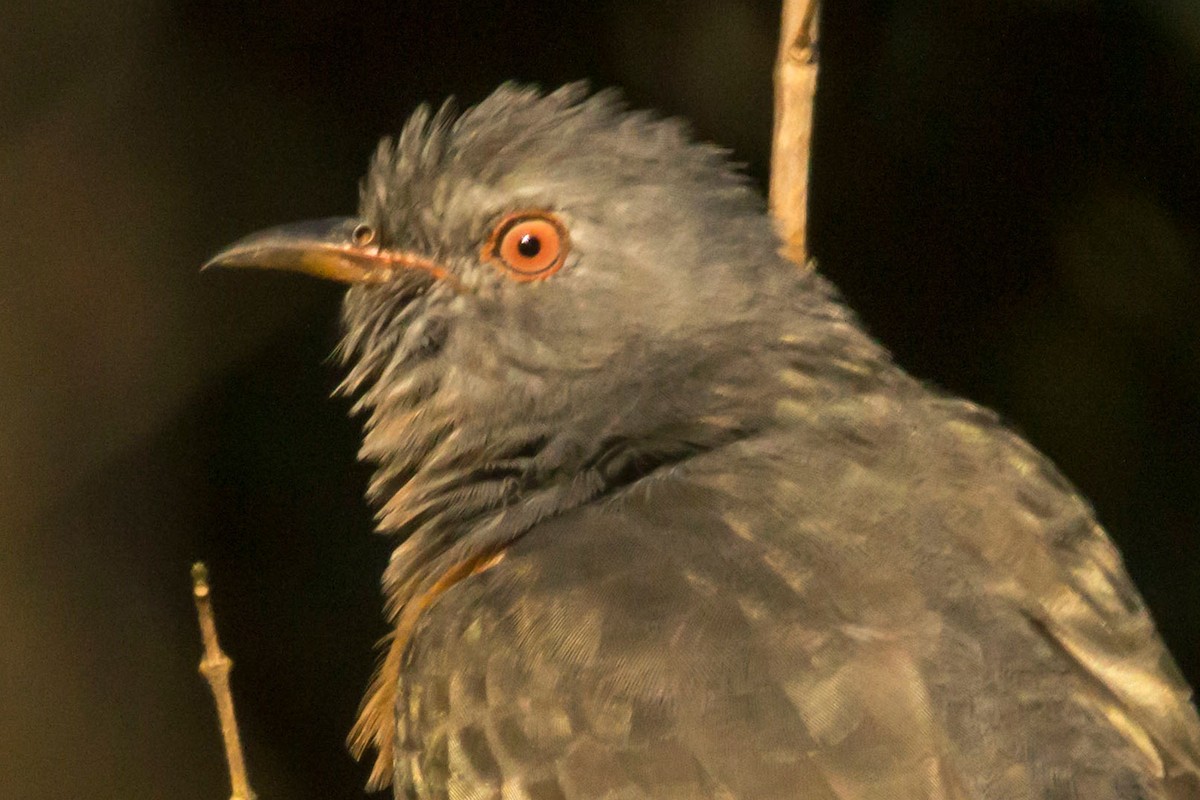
(670, 524)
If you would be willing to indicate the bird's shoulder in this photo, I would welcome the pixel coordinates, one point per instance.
(1001, 546)
(1052, 559)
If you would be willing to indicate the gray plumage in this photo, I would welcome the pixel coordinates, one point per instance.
(716, 543)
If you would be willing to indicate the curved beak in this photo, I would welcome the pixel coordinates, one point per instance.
(341, 249)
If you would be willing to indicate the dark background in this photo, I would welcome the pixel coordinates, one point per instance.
(1008, 192)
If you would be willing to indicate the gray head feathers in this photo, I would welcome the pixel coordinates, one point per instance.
(673, 308)
(664, 313)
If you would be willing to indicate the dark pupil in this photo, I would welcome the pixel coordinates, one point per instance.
(529, 246)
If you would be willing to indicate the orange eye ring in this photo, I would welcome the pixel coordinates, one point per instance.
(528, 245)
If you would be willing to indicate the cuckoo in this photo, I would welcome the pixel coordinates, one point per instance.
(671, 525)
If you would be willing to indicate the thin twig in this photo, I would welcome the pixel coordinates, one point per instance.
(215, 667)
(791, 145)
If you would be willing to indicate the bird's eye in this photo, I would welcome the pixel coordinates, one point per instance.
(529, 246)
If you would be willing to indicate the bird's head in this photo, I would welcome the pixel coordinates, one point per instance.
(550, 297)
(542, 286)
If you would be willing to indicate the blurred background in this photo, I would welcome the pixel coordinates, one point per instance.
(1008, 192)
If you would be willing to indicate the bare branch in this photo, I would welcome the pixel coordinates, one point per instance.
(795, 87)
(215, 667)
